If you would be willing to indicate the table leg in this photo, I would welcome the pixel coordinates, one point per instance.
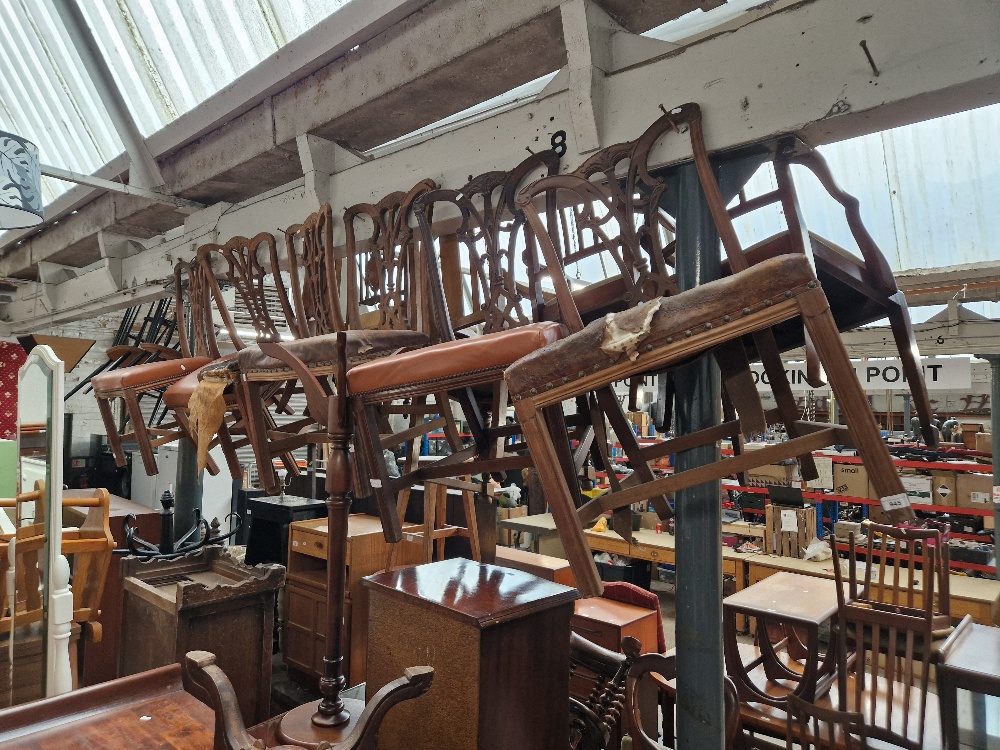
(948, 705)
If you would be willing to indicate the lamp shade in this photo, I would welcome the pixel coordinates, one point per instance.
(20, 183)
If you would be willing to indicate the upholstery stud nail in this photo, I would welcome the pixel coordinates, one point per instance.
(767, 303)
(670, 339)
(788, 294)
(812, 284)
(565, 379)
(596, 368)
(746, 310)
(649, 347)
(708, 326)
(549, 386)
(582, 373)
(687, 334)
(726, 318)
(534, 391)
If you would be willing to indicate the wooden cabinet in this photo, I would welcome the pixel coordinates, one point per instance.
(203, 601)
(605, 622)
(305, 593)
(498, 640)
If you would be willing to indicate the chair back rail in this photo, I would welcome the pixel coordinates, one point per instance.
(499, 247)
(383, 274)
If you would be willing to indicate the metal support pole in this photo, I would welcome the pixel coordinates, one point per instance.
(994, 360)
(143, 170)
(907, 415)
(700, 698)
(187, 488)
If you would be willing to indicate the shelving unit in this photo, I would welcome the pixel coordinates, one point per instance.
(821, 497)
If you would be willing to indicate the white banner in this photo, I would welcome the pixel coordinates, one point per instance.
(940, 373)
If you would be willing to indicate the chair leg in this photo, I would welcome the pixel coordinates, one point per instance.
(111, 427)
(366, 429)
(472, 524)
(906, 342)
(141, 436)
(854, 406)
(770, 357)
(556, 490)
(251, 406)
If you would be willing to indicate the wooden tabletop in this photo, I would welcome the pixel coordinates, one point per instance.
(788, 596)
(975, 655)
(147, 710)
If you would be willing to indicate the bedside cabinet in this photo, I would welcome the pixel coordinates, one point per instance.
(305, 593)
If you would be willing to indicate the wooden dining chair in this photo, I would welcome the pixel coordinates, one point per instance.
(467, 367)
(664, 333)
(888, 632)
(812, 727)
(382, 314)
(129, 384)
(860, 290)
(251, 267)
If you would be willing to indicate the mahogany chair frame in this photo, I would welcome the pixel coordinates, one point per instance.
(733, 308)
(252, 267)
(383, 274)
(489, 229)
(871, 289)
(108, 388)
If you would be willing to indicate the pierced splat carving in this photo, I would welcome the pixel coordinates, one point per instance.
(309, 249)
(246, 264)
(383, 275)
(617, 211)
(498, 246)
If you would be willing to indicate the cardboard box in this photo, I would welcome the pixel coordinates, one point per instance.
(974, 490)
(781, 474)
(944, 488)
(984, 442)
(918, 488)
(851, 480)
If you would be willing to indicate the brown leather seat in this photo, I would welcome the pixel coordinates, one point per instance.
(492, 351)
(580, 354)
(320, 352)
(145, 376)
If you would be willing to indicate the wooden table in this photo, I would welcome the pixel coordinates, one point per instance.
(970, 660)
(147, 710)
(795, 602)
(977, 597)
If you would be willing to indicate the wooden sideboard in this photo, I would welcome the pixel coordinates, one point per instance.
(305, 593)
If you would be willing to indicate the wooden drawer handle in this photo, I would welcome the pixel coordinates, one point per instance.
(588, 631)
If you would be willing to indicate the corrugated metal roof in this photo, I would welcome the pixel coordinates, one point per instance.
(925, 192)
(167, 56)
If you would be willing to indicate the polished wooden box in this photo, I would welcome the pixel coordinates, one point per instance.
(203, 601)
(498, 640)
(304, 641)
